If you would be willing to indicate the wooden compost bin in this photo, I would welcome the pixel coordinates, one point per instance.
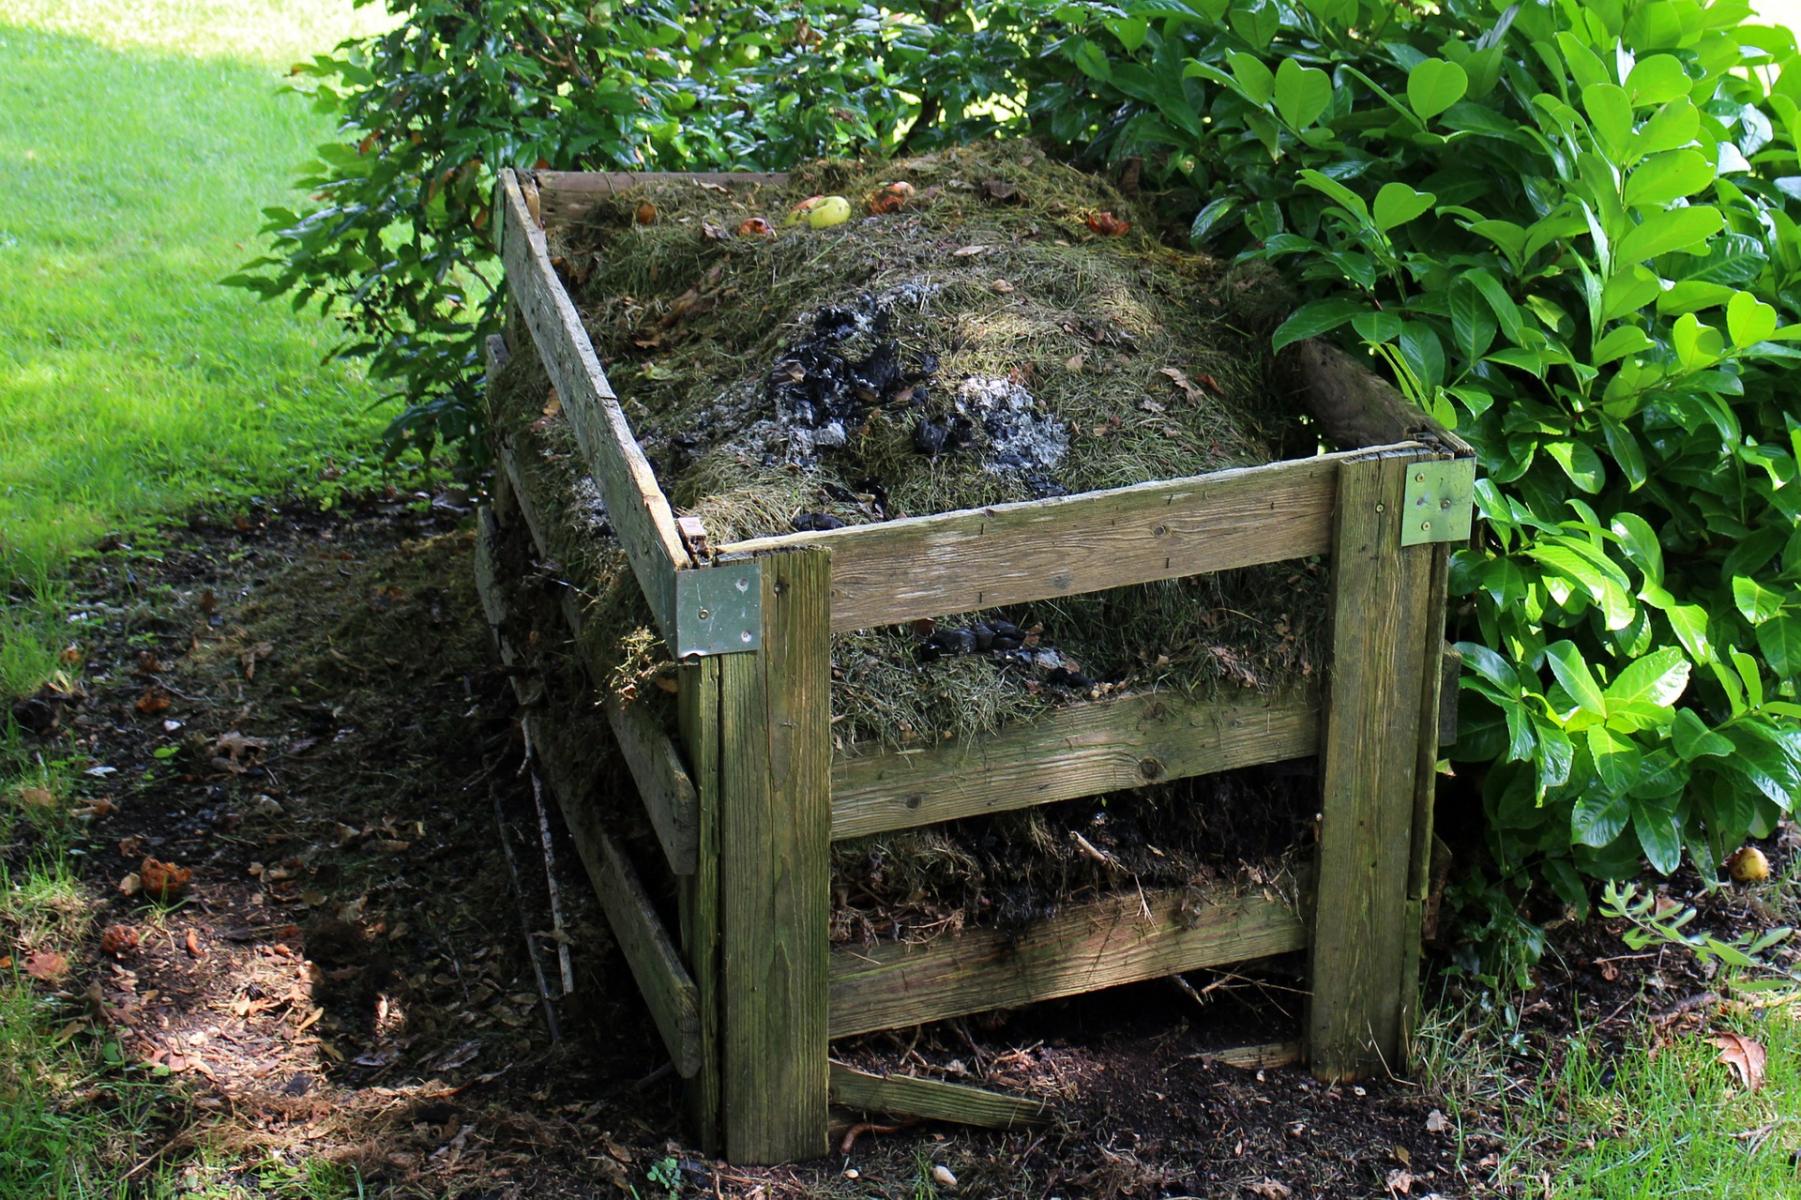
(747, 799)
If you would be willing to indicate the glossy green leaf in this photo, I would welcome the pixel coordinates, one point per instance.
(1657, 79)
(1693, 739)
(1667, 231)
(1659, 835)
(1433, 85)
(1302, 93)
(1599, 817)
(1659, 678)
(1252, 76)
(1749, 320)
(1780, 641)
(1396, 204)
(1667, 177)
(1315, 318)
(1567, 664)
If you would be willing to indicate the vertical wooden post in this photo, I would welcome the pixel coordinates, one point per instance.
(775, 870)
(1425, 788)
(1369, 763)
(697, 896)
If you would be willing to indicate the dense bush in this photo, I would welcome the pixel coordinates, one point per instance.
(1564, 228)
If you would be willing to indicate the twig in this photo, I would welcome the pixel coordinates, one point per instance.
(550, 878)
(525, 926)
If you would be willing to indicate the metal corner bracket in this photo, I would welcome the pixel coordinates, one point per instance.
(718, 609)
(1438, 500)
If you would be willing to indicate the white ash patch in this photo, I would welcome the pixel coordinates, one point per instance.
(1022, 438)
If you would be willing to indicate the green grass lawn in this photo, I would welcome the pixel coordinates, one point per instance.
(139, 142)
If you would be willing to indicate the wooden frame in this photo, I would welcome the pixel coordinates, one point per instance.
(747, 806)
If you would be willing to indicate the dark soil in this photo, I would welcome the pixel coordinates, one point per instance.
(305, 711)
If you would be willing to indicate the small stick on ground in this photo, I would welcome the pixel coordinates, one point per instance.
(525, 926)
(550, 878)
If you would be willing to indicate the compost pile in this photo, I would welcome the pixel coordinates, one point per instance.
(986, 326)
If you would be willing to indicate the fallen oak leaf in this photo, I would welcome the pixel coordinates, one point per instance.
(153, 701)
(1743, 1056)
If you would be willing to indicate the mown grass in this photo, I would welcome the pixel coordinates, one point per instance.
(139, 141)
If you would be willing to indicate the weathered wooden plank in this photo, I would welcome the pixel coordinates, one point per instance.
(1369, 759)
(933, 1100)
(1078, 750)
(566, 195)
(636, 507)
(1425, 787)
(494, 356)
(774, 847)
(1043, 549)
(1122, 939)
(1450, 669)
(1252, 1058)
(662, 980)
(698, 894)
(663, 782)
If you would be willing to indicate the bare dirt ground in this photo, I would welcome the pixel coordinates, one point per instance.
(305, 712)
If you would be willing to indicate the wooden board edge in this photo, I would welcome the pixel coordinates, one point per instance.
(934, 1100)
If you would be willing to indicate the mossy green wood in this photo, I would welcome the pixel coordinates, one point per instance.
(1363, 925)
(698, 894)
(774, 865)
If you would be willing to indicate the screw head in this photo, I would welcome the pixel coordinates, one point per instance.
(704, 615)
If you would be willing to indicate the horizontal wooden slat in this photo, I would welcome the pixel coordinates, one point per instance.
(1078, 750)
(565, 196)
(636, 507)
(668, 991)
(933, 1100)
(1043, 549)
(1121, 939)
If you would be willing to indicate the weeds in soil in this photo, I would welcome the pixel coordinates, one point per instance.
(1660, 1119)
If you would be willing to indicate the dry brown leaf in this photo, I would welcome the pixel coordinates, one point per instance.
(1106, 224)
(1074, 363)
(1001, 286)
(970, 251)
(36, 797)
(1191, 389)
(46, 965)
(131, 885)
(193, 945)
(647, 213)
(163, 880)
(153, 701)
(755, 227)
(1437, 1122)
(1399, 1182)
(1270, 1189)
(1744, 1056)
(118, 940)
